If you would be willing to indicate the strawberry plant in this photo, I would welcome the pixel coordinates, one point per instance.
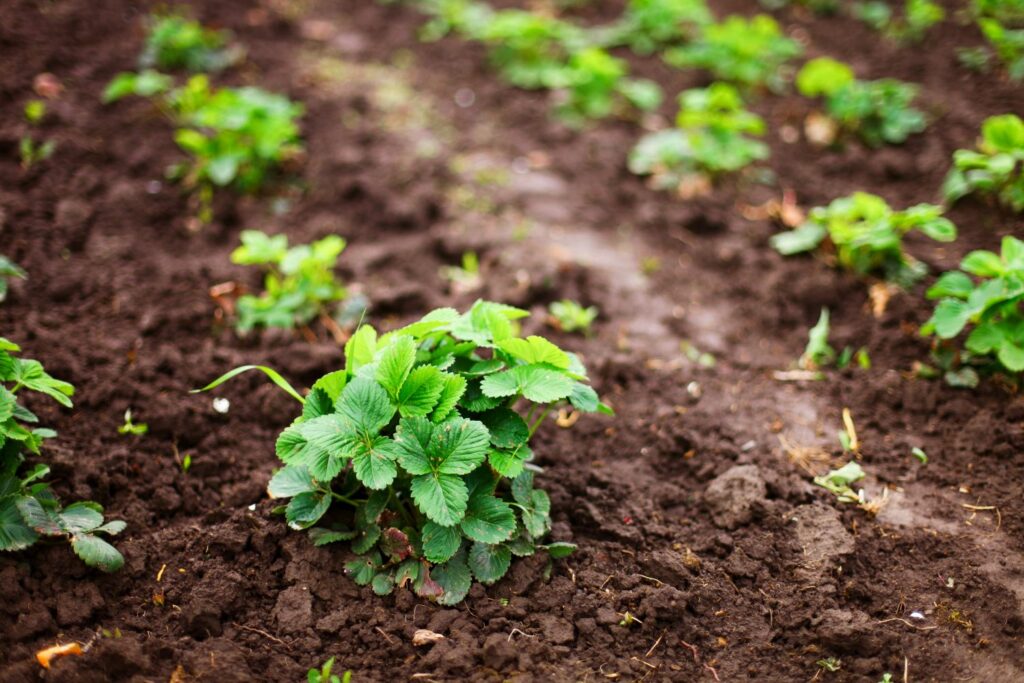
(418, 453)
(710, 138)
(878, 111)
(648, 25)
(29, 509)
(597, 86)
(867, 235)
(530, 50)
(993, 306)
(1010, 12)
(175, 41)
(299, 283)
(995, 168)
(1008, 44)
(749, 52)
(571, 316)
(9, 269)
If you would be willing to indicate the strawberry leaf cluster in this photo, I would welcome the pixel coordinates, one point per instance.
(176, 41)
(29, 510)
(995, 168)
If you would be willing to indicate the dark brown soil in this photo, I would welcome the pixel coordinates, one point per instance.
(755, 577)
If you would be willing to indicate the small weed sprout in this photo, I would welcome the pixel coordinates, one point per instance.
(830, 664)
(838, 481)
(748, 52)
(710, 139)
(33, 152)
(29, 509)
(997, 166)
(991, 307)
(818, 353)
(417, 451)
(324, 675)
(571, 316)
(299, 284)
(131, 427)
(877, 111)
(868, 235)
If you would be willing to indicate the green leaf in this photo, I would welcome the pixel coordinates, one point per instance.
(522, 545)
(537, 514)
(321, 445)
(509, 463)
(7, 404)
(474, 400)
(290, 481)
(367, 538)
(454, 578)
(950, 317)
(331, 384)
(321, 536)
(31, 374)
(421, 391)
(383, 583)
(274, 376)
(807, 237)
(15, 534)
(317, 404)
(395, 545)
(952, 284)
(440, 543)
(96, 552)
(983, 264)
(584, 398)
(374, 462)
(1011, 356)
(560, 549)
(395, 364)
(456, 446)
(360, 349)
(522, 488)
(408, 571)
(506, 428)
(222, 170)
(306, 509)
(538, 384)
(363, 569)
(535, 350)
(488, 519)
(441, 497)
(43, 520)
(366, 405)
(489, 562)
(452, 390)
(81, 517)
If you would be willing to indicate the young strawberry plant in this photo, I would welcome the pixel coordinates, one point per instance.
(710, 139)
(1008, 44)
(530, 50)
(9, 269)
(571, 316)
(29, 510)
(867, 235)
(992, 306)
(918, 16)
(749, 52)
(995, 168)
(597, 87)
(649, 25)
(418, 453)
(299, 284)
(176, 41)
(877, 111)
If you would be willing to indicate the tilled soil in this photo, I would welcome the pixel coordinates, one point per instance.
(689, 514)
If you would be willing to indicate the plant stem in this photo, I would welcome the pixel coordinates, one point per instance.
(346, 499)
(540, 420)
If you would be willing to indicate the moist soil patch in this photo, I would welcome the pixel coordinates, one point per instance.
(691, 512)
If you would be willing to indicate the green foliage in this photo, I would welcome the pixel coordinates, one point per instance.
(991, 306)
(571, 316)
(918, 16)
(417, 452)
(818, 353)
(530, 50)
(711, 138)
(175, 41)
(649, 25)
(1009, 12)
(324, 675)
(868, 235)
(995, 168)
(35, 110)
(1008, 45)
(29, 510)
(878, 111)
(838, 482)
(299, 283)
(749, 52)
(146, 83)
(9, 269)
(131, 427)
(597, 86)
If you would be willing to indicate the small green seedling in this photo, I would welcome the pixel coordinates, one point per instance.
(130, 427)
(9, 269)
(887, 678)
(465, 277)
(818, 353)
(837, 482)
(299, 282)
(991, 307)
(418, 454)
(748, 52)
(29, 509)
(571, 316)
(919, 454)
(868, 235)
(176, 41)
(324, 675)
(710, 139)
(649, 25)
(145, 83)
(877, 111)
(830, 664)
(995, 168)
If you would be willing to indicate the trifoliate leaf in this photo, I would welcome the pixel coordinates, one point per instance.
(321, 536)
(537, 514)
(383, 583)
(488, 519)
(96, 552)
(506, 428)
(538, 384)
(440, 543)
(441, 497)
(560, 549)
(366, 405)
(489, 562)
(15, 534)
(456, 446)
(363, 569)
(394, 363)
(474, 400)
(306, 509)
(374, 462)
(509, 463)
(535, 350)
(452, 390)
(321, 445)
(421, 391)
(366, 539)
(521, 545)
(81, 517)
(454, 578)
(290, 481)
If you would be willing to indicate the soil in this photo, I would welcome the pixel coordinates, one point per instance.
(688, 512)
